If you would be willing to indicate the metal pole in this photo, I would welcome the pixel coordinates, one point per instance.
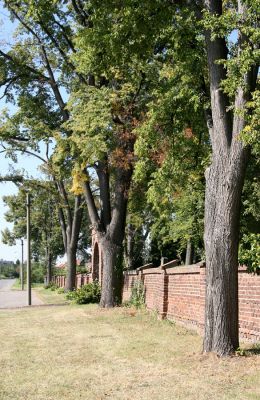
(22, 277)
(29, 291)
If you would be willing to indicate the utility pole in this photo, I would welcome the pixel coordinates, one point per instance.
(22, 277)
(29, 290)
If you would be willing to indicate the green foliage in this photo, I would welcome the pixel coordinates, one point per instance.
(59, 271)
(53, 286)
(60, 290)
(249, 252)
(89, 293)
(38, 272)
(82, 269)
(137, 298)
(8, 270)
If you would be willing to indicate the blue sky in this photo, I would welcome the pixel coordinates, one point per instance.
(28, 163)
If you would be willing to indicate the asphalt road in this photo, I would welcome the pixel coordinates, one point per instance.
(14, 298)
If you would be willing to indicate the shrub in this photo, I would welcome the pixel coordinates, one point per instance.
(249, 252)
(81, 269)
(137, 298)
(60, 290)
(59, 271)
(51, 286)
(89, 293)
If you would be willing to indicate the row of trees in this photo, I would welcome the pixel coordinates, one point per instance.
(148, 108)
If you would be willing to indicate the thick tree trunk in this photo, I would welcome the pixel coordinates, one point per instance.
(71, 268)
(110, 253)
(224, 181)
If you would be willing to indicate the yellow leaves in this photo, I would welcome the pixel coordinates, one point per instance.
(78, 177)
(167, 72)
(247, 129)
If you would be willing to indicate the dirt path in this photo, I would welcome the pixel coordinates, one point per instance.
(14, 298)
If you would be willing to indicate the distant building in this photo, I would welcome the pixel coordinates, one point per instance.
(5, 262)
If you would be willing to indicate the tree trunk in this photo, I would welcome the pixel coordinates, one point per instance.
(129, 247)
(189, 253)
(110, 252)
(224, 181)
(71, 268)
(49, 268)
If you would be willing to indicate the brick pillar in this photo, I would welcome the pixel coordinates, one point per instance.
(163, 295)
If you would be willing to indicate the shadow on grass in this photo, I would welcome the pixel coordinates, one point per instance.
(252, 351)
(255, 350)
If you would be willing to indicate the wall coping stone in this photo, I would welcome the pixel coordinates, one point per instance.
(146, 266)
(170, 264)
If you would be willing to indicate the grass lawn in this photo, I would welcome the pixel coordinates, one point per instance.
(49, 296)
(82, 352)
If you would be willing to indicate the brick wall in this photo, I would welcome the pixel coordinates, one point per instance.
(179, 293)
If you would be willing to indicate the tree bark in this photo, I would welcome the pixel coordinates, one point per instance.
(129, 247)
(71, 268)
(189, 253)
(224, 181)
(111, 233)
(109, 251)
(71, 237)
(49, 267)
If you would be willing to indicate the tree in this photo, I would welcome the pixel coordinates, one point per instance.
(103, 119)
(225, 176)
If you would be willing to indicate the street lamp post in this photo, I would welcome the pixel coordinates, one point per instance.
(29, 291)
(22, 277)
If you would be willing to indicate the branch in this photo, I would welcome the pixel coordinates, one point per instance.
(55, 87)
(82, 15)
(64, 196)
(217, 50)
(12, 178)
(64, 34)
(31, 69)
(92, 210)
(61, 51)
(27, 152)
(77, 219)
(103, 176)
(52, 80)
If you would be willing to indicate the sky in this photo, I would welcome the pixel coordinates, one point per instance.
(29, 164)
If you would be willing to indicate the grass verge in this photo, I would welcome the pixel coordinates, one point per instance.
(83, 352)
(49, 296)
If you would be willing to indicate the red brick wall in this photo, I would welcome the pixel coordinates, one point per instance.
(249, 304)
(179, 293)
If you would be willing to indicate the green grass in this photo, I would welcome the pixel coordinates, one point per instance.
(17, 285)
(83, 352)
(49, 296)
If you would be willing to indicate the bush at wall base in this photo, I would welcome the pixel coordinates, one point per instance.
(89, 293)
